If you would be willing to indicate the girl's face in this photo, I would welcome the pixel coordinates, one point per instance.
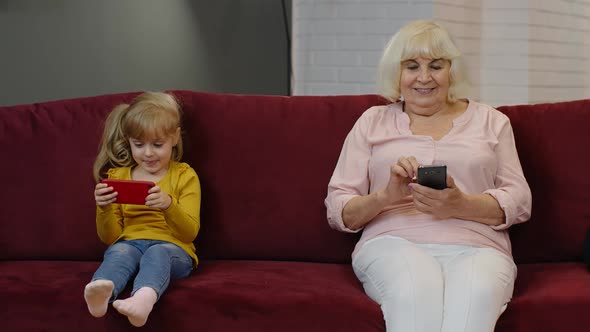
(424, 83)
(153, 154)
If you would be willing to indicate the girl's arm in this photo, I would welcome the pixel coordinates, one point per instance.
(109, 223)
(109, 219)
(183, 214)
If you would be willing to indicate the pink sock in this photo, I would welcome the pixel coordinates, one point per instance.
(138, 307)
(97, 294)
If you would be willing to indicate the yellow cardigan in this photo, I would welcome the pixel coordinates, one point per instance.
(179, 224)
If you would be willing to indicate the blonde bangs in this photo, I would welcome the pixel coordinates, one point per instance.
(150, 123)
(430, 44)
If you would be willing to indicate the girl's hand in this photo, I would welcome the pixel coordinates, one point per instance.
(401, 175)
(445, 203)
(158, 199)
(104, 195)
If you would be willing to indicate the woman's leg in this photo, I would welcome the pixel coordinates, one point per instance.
(160, 263)
(120, 263)
(478, 285)
(406, 281)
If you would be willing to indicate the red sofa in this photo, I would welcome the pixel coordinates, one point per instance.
(269, 261)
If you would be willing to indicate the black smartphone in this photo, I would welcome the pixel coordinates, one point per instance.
(433, 176)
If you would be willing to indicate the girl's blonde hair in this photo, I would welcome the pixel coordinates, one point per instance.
(426, 39)
(150, 114)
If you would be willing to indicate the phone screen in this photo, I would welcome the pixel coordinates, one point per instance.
(433, 176)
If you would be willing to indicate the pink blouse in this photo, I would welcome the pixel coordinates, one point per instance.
(480, 155)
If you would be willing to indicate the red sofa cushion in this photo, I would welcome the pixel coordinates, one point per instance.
(548, 297)
(269, 296)
(219, 296)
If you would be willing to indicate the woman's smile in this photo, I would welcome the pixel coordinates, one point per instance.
(424, 91)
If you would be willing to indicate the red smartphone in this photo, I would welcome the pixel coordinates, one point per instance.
(130, 192)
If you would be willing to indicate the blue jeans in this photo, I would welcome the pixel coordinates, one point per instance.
(153, 263)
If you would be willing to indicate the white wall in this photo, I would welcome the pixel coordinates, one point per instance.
(559, 50)
(517, 51)
(337, 43)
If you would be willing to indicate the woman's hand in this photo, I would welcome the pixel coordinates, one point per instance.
(360, 210)
(453, 203)
(401, 175)
(445, 203)
(158, 199)
(104, 195)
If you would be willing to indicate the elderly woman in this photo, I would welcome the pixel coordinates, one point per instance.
(435, 260)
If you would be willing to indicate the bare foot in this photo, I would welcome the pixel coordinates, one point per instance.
(97, 295)
(138, 307)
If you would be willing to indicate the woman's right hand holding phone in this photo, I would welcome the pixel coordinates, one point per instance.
(401, 175)
(104, 195)
(362, 209)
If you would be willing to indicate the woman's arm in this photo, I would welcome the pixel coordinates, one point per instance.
(361, 210)
(512, 192)
(509, 202)
(350, 182)
(350, 205)
(453, 203)
(481, 208)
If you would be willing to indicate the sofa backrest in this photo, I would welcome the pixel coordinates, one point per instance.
(264, 163)
(48, 149)
(551, 141)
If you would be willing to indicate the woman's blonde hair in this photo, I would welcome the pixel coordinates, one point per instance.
(422, 38)
(150, 114)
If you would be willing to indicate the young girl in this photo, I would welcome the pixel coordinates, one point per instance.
(151, 242)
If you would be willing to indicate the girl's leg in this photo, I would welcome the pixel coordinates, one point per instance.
(120, 263)
(406, 281)
(159, 264)
(478, 286)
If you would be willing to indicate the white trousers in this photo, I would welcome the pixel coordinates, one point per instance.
(432, 287)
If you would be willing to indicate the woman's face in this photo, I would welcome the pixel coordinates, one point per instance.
(424, 83)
